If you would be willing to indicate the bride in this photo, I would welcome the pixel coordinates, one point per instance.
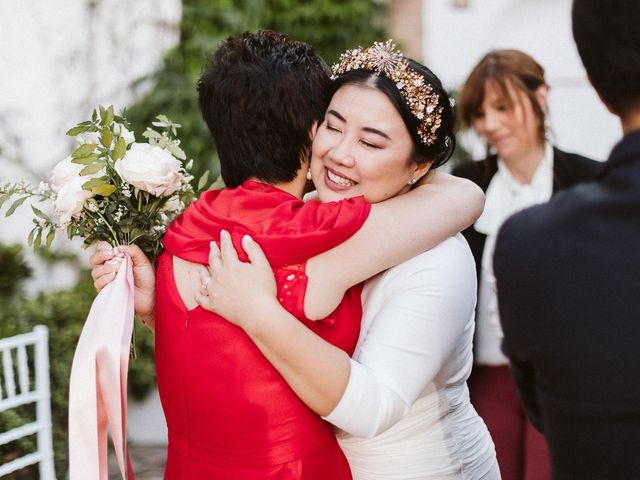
(400, 404)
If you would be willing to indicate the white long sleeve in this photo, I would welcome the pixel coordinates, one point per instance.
(416, 335)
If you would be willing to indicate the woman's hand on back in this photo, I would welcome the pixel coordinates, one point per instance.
(105, 263)
(225, 283)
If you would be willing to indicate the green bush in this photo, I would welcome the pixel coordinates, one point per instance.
(331, 26)
(64, 313)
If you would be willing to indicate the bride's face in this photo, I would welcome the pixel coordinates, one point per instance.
(361, 148)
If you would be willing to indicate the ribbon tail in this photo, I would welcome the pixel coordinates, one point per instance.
(98, 390)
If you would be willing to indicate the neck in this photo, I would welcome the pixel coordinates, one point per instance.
(295, 187)
(631, 121)
(523, 167)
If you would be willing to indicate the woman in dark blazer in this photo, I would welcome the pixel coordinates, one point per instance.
(504, 101)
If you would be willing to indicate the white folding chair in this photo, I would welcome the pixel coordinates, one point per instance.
(25, 392)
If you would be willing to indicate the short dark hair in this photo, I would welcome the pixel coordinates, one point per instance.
(439, 151)
(260, 95)
(503, 69)
(607, 35)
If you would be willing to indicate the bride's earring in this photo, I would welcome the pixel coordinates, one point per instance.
(309, 174)
(413, 180)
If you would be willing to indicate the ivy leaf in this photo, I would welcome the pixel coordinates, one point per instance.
(106, 137)
(86, 160)
(93, 168)
(104, 190)
(15, 205)
(38, 240)
(106, 115)
(50, 236)
(203, 180)
(84, 150)
(119, 150)
(40, 214)
(4, 197)
(32, 233)
(95, 182)
(77, 130)
(72, 230)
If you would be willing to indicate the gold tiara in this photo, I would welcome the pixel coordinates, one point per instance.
(420, 97)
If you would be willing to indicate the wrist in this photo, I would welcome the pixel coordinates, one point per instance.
(148, 318)
(261, 319)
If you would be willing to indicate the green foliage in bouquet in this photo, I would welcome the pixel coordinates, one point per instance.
(331, 26)
(112, 188)
(64, 313)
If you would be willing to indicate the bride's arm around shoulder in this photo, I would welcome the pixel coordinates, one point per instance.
(419, 330)
(397, 229)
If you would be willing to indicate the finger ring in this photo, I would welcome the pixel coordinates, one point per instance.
(205, 283)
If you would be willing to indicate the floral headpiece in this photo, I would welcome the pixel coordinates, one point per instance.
(420, 97)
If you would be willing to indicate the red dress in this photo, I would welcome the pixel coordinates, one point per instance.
(229, 412)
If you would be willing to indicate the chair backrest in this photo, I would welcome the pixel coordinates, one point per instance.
(31, 387)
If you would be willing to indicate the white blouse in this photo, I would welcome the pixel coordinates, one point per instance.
(504, 197)
(406, 413)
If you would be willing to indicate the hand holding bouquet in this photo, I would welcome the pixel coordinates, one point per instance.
(115, 189)
(111, 187)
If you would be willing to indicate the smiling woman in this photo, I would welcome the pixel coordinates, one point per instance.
(365, 145)
(400, 404)
(356, 158)
(504, 100)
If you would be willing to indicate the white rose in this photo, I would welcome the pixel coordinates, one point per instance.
(151, 169)
(64, 172)
(69, 200)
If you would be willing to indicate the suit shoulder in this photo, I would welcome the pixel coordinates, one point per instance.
(566, 209)
(577, 165)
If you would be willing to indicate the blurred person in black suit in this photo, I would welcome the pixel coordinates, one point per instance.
(568, 278)
(504, 99)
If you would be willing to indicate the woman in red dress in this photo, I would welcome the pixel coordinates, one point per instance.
(229, 413)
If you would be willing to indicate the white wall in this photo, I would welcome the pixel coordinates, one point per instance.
(59, 60)
(456, 38)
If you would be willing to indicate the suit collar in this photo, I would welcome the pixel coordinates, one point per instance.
(626, 150)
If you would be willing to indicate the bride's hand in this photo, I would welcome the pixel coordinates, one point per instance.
(236, 290)
(105, 263)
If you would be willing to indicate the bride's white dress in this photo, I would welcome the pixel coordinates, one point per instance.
(406, 413)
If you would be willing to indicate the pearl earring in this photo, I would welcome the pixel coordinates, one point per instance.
(309, 174)
(413, 180)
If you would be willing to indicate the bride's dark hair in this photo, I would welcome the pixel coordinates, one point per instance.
(441, 149)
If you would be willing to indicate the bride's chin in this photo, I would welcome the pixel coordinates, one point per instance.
(327, 195)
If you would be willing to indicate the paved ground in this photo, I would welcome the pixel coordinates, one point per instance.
(148, 462)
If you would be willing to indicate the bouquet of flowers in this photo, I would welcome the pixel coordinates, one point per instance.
(111, 187)
(115, 189)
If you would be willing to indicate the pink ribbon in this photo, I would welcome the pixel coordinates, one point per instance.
(98, 385)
